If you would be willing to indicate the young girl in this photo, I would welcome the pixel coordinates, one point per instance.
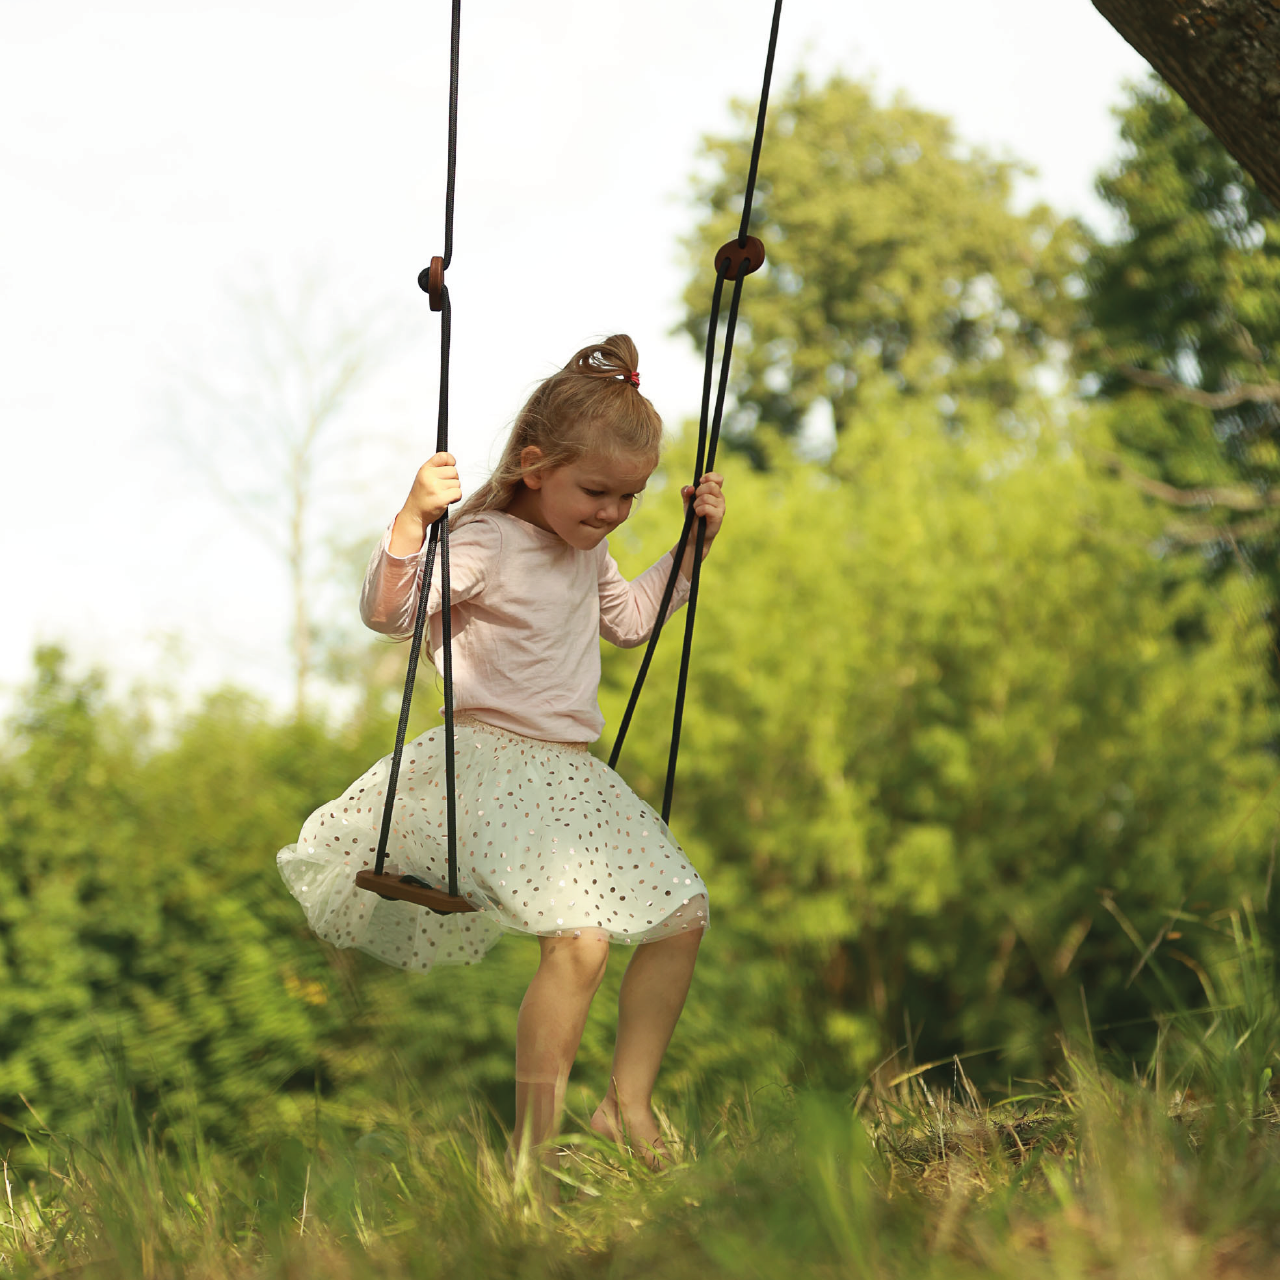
(551, 841)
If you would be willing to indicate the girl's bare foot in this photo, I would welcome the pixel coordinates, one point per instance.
(637, 1130)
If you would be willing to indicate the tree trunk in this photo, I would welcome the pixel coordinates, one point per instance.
(1223, 58)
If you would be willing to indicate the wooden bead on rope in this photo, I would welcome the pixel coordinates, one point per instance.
(744, 258)
(431, 282)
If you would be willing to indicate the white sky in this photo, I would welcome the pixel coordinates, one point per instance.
(154, 152)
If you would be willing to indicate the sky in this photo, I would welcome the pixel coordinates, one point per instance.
(159, 156)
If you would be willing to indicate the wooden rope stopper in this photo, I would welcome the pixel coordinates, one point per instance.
(431, 282)
(744, 258)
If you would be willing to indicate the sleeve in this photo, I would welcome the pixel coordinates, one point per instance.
(392, 584)
(628, 610)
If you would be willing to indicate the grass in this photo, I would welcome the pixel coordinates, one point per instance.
(1169, 1168)
(1094, 1177)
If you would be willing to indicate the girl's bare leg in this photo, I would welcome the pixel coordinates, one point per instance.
(548, 1029)
(652, 995)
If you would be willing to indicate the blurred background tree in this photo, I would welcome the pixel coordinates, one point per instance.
(942, 735)
(894, 256)
(1180, 342)
(965, 735)
(143, 922)
(265, 433)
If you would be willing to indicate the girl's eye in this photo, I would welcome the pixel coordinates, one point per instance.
(594, 493)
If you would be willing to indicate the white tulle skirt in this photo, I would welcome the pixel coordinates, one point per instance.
(551, 842)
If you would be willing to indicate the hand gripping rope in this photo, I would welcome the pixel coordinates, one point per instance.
(733, 261)
(431, 280)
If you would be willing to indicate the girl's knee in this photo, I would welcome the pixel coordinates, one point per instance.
(581, 960)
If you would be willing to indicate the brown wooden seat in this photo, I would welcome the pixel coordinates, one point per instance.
(411, 889)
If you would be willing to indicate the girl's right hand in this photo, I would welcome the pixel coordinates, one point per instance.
(434, 487)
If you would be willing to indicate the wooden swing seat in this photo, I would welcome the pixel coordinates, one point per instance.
(411, 889)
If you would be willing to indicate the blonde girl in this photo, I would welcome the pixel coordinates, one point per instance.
(551, 841)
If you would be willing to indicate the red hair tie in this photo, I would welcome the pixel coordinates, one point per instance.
(634, 377)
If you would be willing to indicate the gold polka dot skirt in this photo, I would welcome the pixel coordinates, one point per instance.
(551, 842)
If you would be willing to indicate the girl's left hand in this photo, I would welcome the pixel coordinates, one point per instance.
(708, 500)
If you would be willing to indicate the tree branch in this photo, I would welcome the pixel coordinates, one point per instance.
(1199, 534)
(1263, 393)
(1238, 499)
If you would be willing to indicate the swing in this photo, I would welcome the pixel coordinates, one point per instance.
(734, 261)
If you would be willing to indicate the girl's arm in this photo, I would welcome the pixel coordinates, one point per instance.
(393, 580)
(392, 584)
(628, 609)
(708, 500)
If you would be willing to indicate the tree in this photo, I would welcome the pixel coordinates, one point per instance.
(263, 427)
(146, 937)
(894, 257)
(1185, 302)
(119, 931)
(1181, 336)
(986, 698)
(1222, 57)
(942, 736)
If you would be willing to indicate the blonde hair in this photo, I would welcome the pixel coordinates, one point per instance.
(591, 406)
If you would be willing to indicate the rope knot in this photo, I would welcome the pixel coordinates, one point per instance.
(431, 282)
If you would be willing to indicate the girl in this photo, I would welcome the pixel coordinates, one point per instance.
(551, 841)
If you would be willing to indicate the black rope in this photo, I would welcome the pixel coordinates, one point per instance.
(669, 590)
(759, 138)
(419, 624)
(450, 182)
(439, 535)
(691, 609)
(708, 439)
(446, 606)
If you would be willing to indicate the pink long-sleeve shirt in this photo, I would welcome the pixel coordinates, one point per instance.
(527, 611)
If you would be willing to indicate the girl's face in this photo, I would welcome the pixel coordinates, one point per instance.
(584, 501)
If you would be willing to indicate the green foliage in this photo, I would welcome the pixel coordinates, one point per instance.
(1190, 288)
(893, 255)
(124, 923)
(143, 924)
(941, 728)
(1190, 291)
(941, 723)
(943, 738)
(142, 921)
